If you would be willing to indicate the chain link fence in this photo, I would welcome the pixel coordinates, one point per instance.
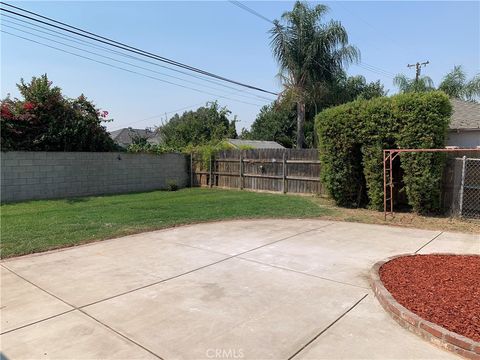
(469, 194)
(462, 190)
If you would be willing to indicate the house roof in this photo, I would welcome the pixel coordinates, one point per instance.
(465, 116)
(255, 144)
(124, 137)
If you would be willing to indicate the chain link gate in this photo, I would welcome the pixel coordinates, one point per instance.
(463, 193)
(469, 194)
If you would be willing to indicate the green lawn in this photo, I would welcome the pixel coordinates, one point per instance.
(35, 226)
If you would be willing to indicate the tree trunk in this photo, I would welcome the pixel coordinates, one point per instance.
(300, 124)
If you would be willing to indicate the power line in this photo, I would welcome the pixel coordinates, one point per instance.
(366, 66)
(371, 25)
(123, 46)
(251, 11)
(83, 42)
(376, 70)
(166, 113)
(124, 62)
(127, 70)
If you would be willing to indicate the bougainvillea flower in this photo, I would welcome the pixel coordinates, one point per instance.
(28, 106)
(5, 112)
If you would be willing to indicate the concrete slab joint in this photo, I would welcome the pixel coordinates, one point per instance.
(263, 289)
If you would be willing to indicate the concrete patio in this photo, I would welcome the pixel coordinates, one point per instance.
(256, 289)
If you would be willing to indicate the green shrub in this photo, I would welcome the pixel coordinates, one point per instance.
(172, 185)
(352, 138)
(209, 123)
(150, 149)
(206, 151)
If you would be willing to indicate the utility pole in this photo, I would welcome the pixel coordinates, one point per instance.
(418, 67)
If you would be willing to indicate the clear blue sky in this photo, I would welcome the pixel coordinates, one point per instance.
(222, 38)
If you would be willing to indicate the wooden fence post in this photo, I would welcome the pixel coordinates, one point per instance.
(191, 170)
(284, 175)
(241, 170)
(211, 172)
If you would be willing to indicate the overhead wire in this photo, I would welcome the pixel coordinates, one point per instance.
(251, 11)
(377, 30)
(90, 35)
(83, 42)
(362, 64)
(127, 63)
(374, 68)
(167, 113)
(127, 70)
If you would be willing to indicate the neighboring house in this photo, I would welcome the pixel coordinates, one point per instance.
(254, 144)
(125, 137)
(464, 130)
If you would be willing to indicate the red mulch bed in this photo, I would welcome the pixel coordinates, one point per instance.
(443, 289)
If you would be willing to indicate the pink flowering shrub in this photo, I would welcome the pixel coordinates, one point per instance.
(45, 120)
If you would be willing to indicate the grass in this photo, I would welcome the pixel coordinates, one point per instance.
(36, 226)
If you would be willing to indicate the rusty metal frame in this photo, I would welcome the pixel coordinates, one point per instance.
(388, 156)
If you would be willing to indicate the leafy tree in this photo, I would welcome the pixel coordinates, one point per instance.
(45, 120)
(349, 88)
(455, 85)
(207, 124)
(356, 87)
(277, 121)
(311, 54)
(406, 85)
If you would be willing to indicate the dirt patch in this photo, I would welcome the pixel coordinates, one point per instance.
(443, 289)
(404, 219)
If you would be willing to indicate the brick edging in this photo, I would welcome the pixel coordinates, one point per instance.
(429, 331)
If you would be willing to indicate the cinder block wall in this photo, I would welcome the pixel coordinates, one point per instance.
(47, 175)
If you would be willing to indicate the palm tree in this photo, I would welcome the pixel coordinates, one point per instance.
(405, 84)
(310, 53)
(455, 85)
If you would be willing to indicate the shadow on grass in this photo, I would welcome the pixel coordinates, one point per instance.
(76, 200)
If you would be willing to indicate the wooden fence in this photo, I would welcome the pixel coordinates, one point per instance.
(282, 170)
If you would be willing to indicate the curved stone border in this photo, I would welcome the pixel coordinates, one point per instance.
(429, 331)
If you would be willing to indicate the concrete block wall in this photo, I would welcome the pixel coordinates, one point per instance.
(48, 175)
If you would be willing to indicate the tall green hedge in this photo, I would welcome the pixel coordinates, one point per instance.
(352, 138)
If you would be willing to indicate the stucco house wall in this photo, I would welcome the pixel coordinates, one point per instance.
(464, 129)
(464, 139)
